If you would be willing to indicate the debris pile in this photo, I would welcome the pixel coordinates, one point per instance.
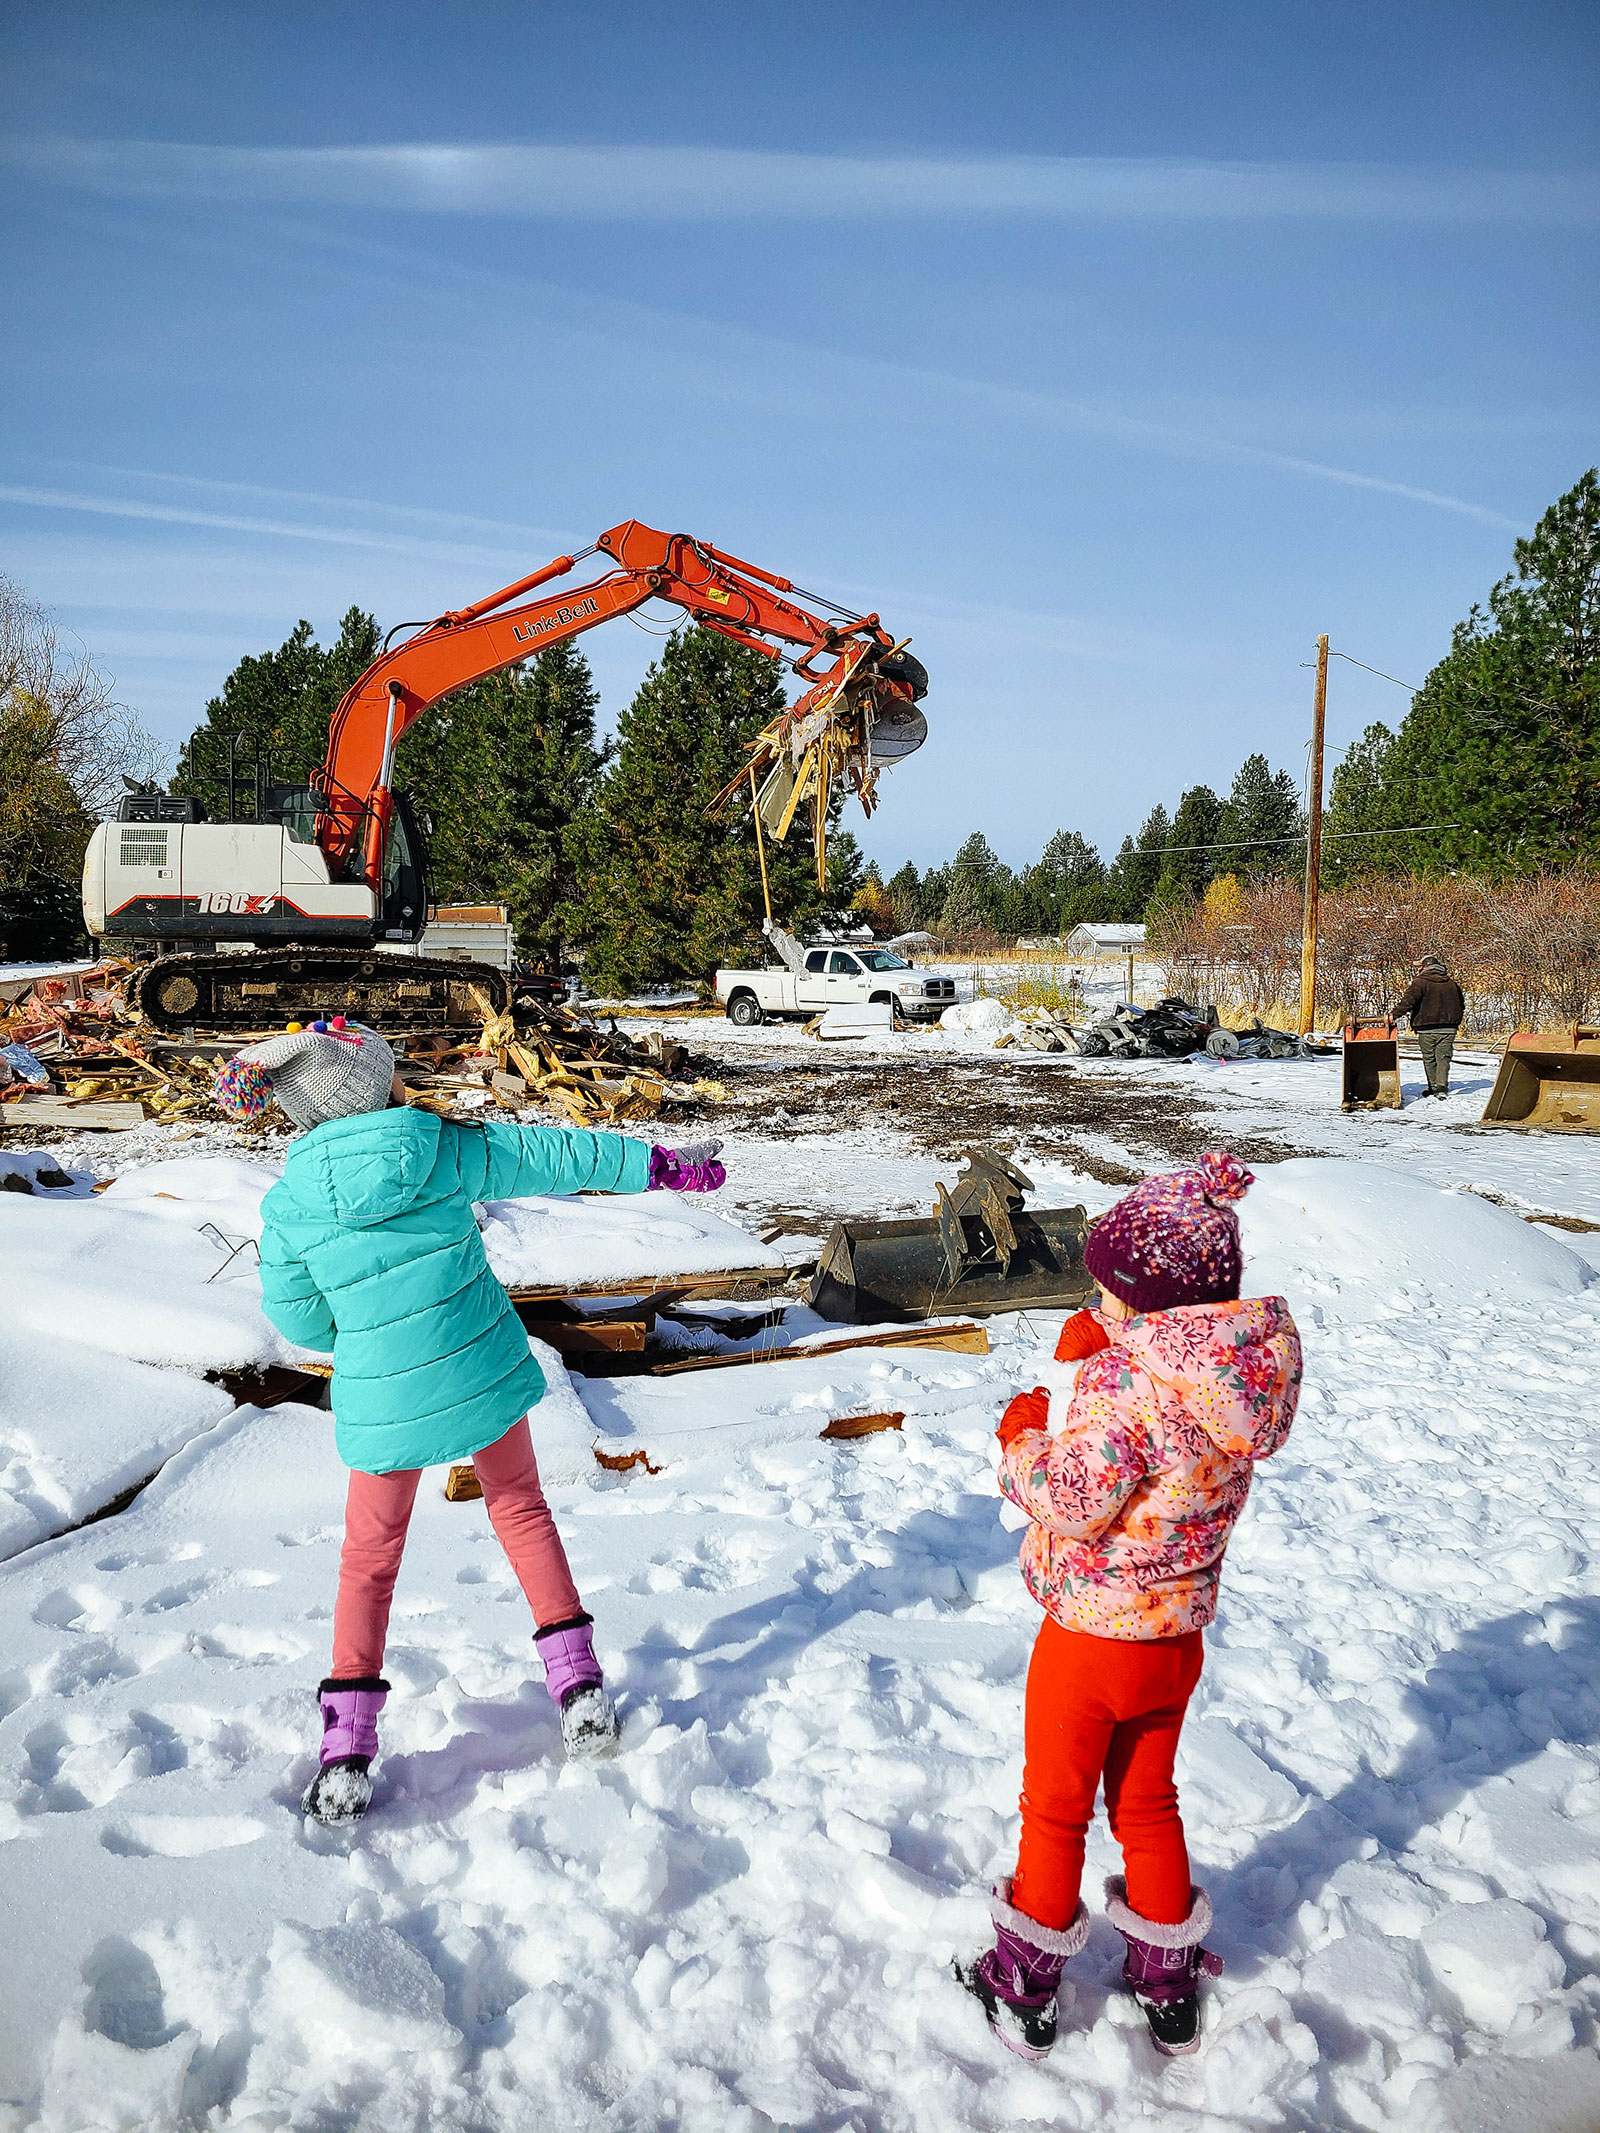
(1169, 1030)
(1261, 1041)
(1038, 1029)
(558, 1057)
(74, 1054)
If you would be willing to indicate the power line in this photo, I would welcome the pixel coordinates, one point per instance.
(1251, 844)
(1362, 664)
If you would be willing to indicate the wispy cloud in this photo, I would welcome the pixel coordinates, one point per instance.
(669, 184)
(110, 506)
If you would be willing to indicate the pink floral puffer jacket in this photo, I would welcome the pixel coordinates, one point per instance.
(1134, 1494)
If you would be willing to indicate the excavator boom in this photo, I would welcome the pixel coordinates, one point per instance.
(722, 593)
(319, 900)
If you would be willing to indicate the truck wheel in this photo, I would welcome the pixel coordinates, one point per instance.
(744, 1009)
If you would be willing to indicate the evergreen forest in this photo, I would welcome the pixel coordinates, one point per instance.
(606, 848)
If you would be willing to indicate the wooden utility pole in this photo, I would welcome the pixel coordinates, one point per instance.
(1308, 909)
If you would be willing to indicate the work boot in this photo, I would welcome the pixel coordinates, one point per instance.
(341, 1791)
(1016, 1981)
(1164, 1965)
(577, 1687)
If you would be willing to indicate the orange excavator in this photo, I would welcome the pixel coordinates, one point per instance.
(339, 867)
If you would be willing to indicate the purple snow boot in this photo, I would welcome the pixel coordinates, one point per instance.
(1016, 1981)
(341, 1790)
(577, 1686)
(1164, 1965)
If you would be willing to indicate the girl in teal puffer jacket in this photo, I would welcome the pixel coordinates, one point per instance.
(370, 1251)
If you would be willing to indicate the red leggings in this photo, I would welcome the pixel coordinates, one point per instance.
(377, 1513)
(1103, 1706)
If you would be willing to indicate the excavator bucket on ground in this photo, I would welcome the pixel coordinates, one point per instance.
(980, 1251)
(1549, 1083)
(1371, 1067)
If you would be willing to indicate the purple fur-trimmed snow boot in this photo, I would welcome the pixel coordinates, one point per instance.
(341, 1791)
(1016, 1981)
(1164, 1965)
(577, 1687)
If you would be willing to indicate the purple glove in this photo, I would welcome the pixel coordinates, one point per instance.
(691, 1169)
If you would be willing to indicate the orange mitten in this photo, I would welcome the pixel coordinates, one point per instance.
(1081, 1335)
(1029, 1410)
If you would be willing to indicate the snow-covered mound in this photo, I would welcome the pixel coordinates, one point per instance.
(1359, 1240)
(224, 1189)
(981, 1020)
(633, 1237)
(113, 1309)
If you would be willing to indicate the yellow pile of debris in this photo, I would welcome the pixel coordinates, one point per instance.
(591, 1076)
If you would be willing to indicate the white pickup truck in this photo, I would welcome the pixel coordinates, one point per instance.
(822, 977)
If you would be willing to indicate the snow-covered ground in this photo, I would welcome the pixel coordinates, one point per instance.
(1391, 1776)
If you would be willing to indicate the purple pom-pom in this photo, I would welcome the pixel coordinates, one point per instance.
(1223, 1177)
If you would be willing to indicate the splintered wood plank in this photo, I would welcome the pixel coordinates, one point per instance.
(75, 1114)
(961, 1340)
(658, 1285)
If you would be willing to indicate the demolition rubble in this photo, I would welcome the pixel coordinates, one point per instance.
(76, 1054)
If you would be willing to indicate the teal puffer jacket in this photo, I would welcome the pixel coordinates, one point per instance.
(369, 1249)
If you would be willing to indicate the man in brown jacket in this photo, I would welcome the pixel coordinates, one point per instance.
(1436, 1006)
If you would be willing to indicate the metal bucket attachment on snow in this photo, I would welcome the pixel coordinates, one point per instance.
(981, 1251)
(1549, 1084)
(1371, 1067)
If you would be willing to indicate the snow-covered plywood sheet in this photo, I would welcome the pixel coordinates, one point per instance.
(636, 1236)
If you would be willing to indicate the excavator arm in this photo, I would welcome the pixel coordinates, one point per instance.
(845, 654)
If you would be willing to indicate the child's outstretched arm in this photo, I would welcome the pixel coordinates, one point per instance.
(503, 1162)
(290, 1296)
(1075, 1483)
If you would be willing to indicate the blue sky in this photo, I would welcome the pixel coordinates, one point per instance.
(1110, 353)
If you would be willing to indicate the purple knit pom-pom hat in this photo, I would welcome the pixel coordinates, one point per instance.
(1174, 1239)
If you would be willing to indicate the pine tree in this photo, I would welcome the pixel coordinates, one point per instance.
(507, 773)
(1503, 738)
(1136, 869)
(1189, 865)
(665, 890)
(279, 704)
(963, 910)
(847, 869)
(1360, 795)
(975, 888)
(1260, 821)
(905, 893)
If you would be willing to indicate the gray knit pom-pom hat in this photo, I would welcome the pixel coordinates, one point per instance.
(319, 1074)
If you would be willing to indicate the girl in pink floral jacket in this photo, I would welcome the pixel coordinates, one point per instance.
(1132, 1486)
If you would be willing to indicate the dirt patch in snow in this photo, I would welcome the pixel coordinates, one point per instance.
(949, 1105)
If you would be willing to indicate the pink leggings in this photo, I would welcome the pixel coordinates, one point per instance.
(377, 1513)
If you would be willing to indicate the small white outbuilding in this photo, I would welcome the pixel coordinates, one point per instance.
(1105, 940)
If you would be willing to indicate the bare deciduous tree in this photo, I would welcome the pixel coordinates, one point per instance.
(66, 743)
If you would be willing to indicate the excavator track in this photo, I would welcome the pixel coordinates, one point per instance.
(397, 994)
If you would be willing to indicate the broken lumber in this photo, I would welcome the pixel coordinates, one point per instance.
(847, 1426)
(961, 1340)
(76, 1114)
